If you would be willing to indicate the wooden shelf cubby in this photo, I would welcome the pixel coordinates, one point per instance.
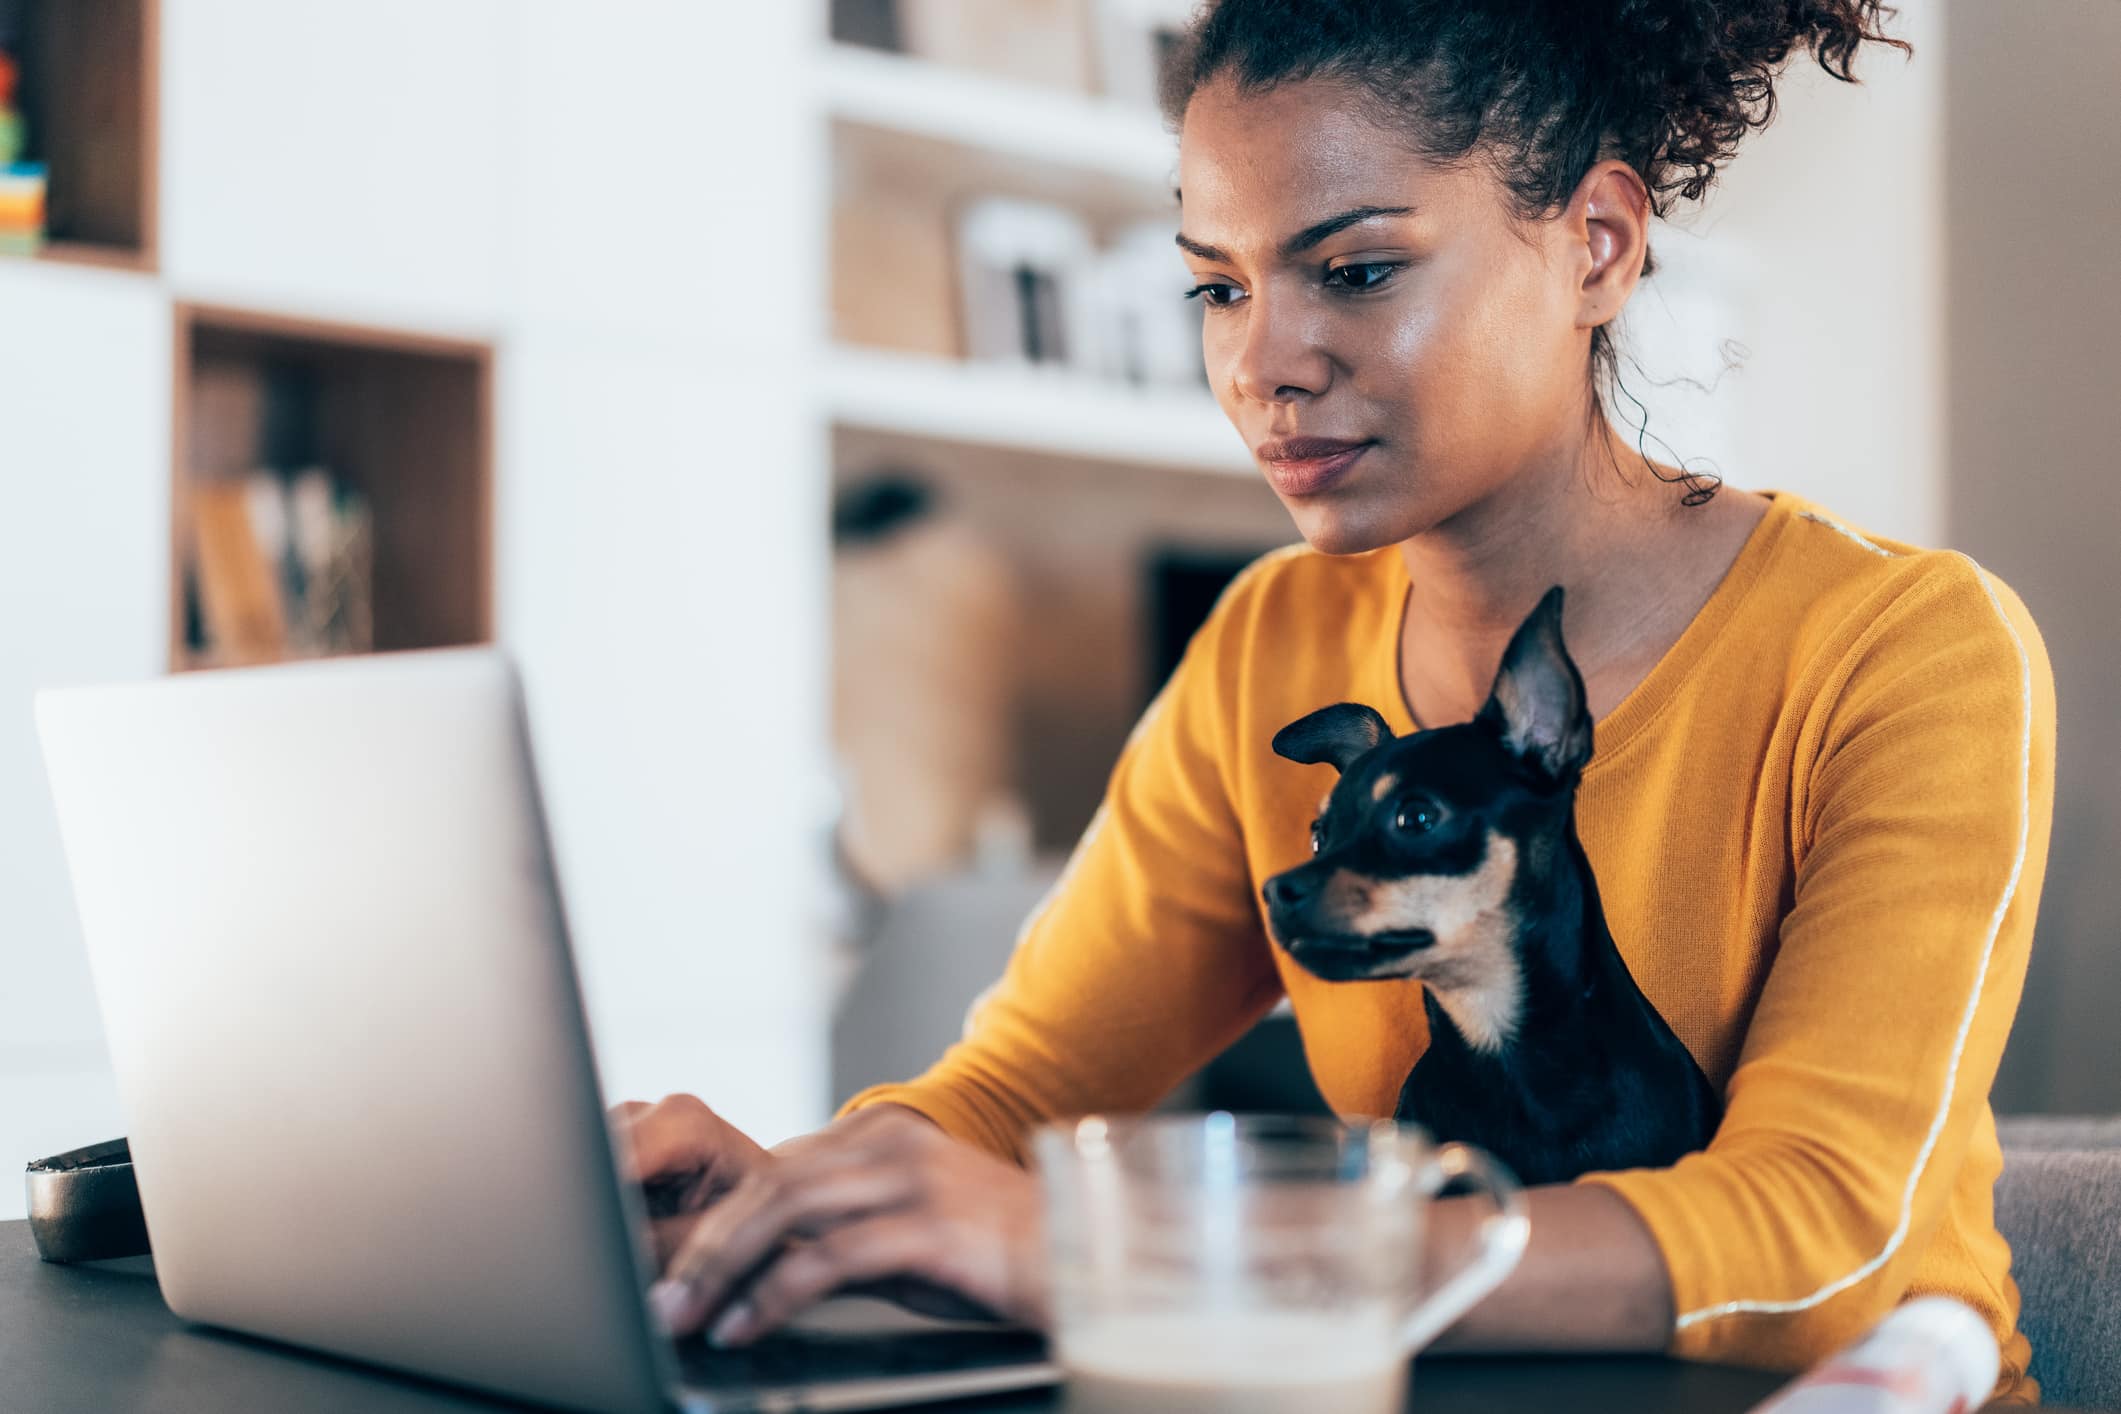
(89, 92)
(404, 419)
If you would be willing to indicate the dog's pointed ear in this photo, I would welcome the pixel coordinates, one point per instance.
(1538, 706)
(1338, 734)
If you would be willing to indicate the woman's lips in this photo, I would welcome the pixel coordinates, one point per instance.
(1305, 466)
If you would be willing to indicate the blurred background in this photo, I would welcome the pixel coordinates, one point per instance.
(803, 395)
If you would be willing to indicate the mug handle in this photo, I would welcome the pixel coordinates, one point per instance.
(1496, 1247)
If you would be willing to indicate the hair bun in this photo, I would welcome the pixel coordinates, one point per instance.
(1693, 77)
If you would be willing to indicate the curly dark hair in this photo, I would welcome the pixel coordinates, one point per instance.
(1543, 90)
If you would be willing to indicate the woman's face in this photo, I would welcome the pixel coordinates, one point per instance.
(1437, 334)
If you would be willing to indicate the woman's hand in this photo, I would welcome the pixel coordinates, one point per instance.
(883, 1198)
(685, 1157)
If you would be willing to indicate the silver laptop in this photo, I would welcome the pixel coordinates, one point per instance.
(322, 920)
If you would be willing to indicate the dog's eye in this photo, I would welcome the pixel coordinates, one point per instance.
(1418, 817)
(1318, 836)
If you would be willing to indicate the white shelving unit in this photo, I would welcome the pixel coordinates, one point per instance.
(1087, 485)
(1109, 158)
(1050, 128)
(1031, 409)
(642, 372)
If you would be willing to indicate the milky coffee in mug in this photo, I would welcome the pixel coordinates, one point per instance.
(1254, 1265)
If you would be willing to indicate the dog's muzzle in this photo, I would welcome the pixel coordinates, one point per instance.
(1341, 958)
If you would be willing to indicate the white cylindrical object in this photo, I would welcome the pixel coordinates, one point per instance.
(1022, 268)
(1932, 1356)
(1155, 329)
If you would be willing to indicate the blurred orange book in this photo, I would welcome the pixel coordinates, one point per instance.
(21, 208)
(239, 593)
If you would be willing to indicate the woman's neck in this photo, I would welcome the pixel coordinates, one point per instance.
(1637, 566)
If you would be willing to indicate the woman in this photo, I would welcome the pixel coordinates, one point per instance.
(1819, 803)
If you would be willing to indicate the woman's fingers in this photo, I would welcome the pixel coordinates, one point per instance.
(686, 1157)
(882, 1194)
(668, 1235)
(672, 1137)
(683, 1150)
(791, 1199)
(864, 1250)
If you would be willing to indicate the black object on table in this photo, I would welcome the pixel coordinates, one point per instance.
(98, 1338)
(84, 1205)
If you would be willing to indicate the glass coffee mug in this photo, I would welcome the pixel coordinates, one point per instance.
(1255, 1265)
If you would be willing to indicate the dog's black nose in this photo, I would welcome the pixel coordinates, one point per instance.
(1290, 890)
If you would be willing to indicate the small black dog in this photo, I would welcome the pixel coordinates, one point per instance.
(1451, 856)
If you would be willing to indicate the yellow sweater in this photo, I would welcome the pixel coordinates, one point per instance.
(1819, 827)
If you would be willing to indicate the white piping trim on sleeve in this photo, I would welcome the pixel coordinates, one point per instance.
(1840, 529)
(1973, 1001)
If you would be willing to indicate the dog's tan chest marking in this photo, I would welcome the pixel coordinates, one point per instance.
(1471, 967)
(1482, 988)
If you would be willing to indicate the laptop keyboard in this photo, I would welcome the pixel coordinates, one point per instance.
(820, 1358)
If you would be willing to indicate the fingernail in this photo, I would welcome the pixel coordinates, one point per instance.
(733, 1327)
(668, 1300)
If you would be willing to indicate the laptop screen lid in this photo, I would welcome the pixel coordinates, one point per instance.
(327, 943)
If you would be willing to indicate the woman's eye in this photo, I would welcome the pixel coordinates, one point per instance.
(1418, 817)
(1215, 296)
(1318, 837)
(1362, 275)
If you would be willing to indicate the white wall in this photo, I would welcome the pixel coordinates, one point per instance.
(1820, 250)
(660, 585)
(1934, 360)
(84, 531)
(2035, 425)
(663, 546)
(627, 201)
(341, 159)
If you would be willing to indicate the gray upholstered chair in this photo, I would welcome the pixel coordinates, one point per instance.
(2059, 1205)
(927, 955)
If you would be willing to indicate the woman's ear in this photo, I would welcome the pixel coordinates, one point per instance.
(1611, 218)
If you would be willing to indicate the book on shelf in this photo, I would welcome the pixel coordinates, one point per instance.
(21, 208)
(22, 182)
(283, 568)
(239, 596)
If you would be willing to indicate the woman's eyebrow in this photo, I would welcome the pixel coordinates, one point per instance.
(1306, 238)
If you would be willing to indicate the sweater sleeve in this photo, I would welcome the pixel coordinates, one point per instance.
(1145, 960)
(1920, 838)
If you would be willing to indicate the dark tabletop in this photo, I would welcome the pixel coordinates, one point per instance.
(98, 1338)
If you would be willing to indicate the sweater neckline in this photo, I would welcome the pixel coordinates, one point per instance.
(1664, 681)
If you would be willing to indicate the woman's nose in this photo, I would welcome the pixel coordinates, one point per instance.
(1278, 360)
